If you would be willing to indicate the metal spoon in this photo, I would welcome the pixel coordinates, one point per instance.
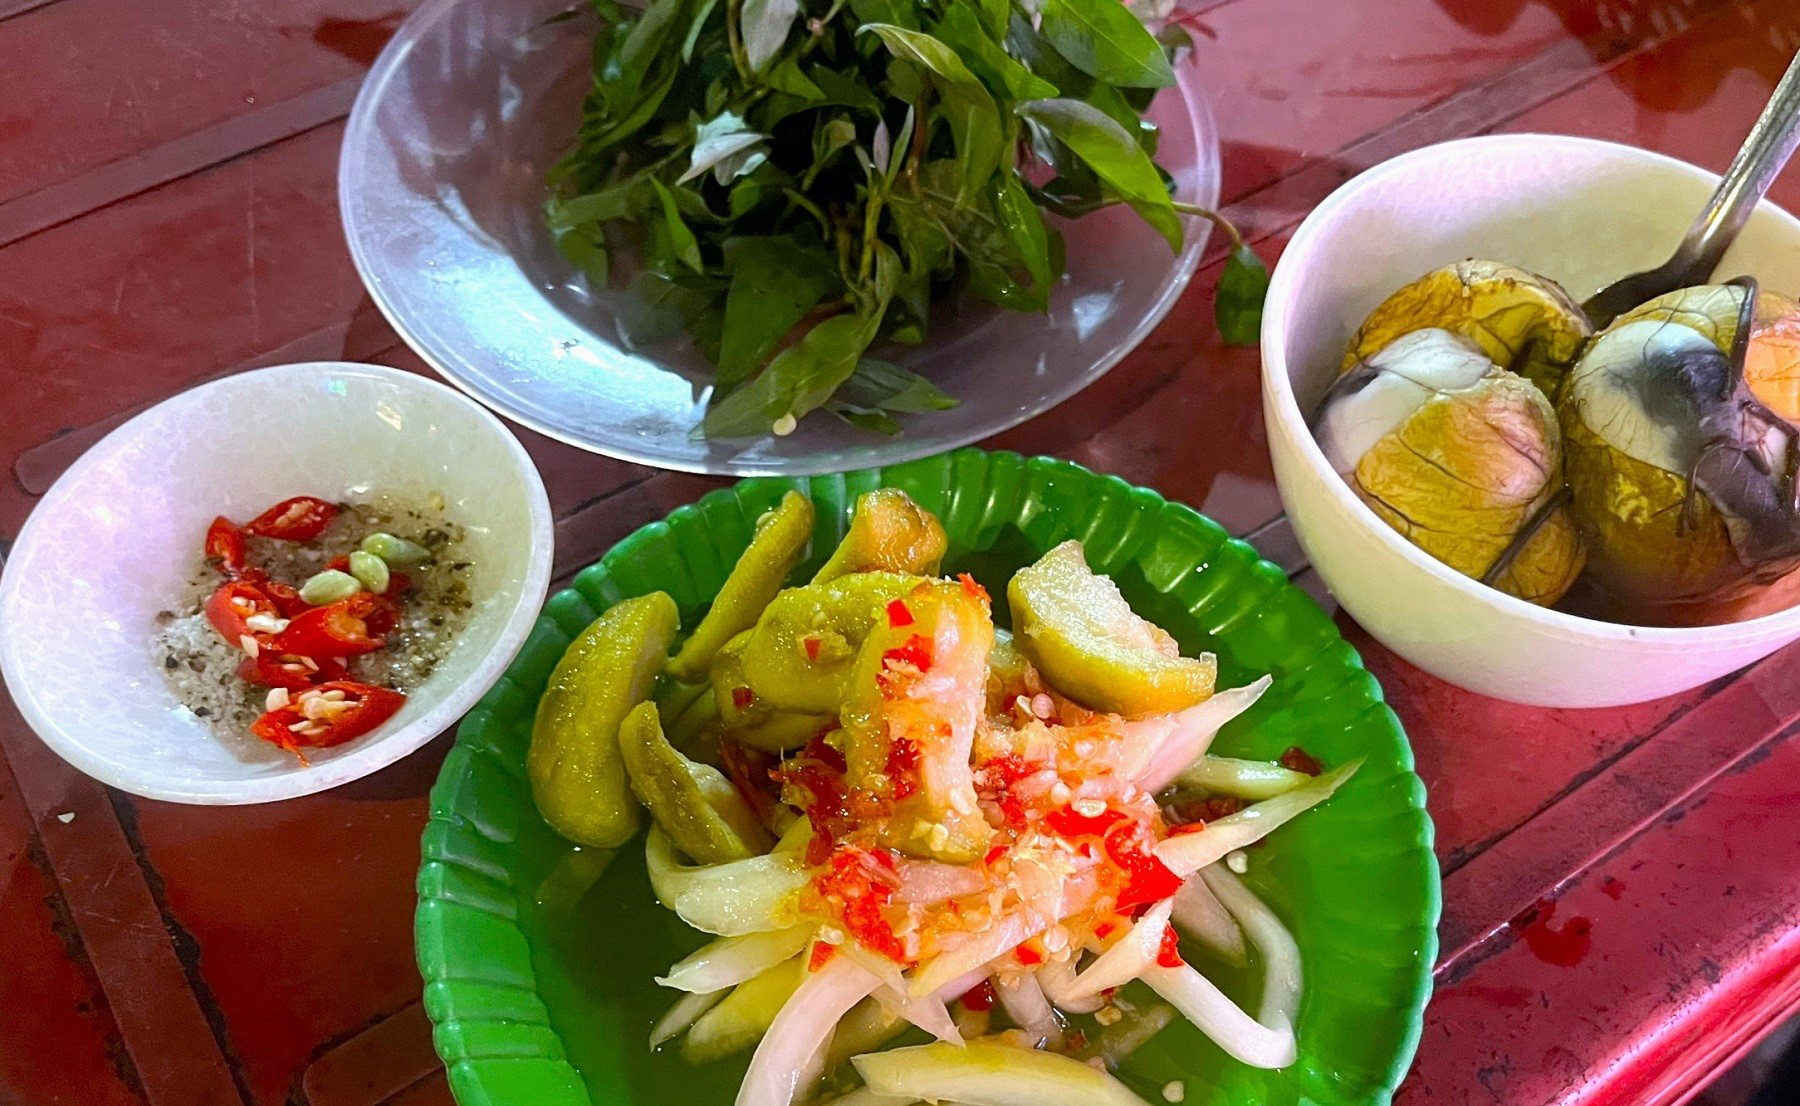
(1765, 151)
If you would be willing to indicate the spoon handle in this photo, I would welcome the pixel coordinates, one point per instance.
(1767, 149)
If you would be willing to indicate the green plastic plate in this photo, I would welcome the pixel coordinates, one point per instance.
(538, 960)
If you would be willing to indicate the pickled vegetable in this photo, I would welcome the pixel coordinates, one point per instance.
(919, 689)
(781, 537)
(746, 1014)
(751, 719)
(1078, 630)
(888, 532)
(694, 803)
(799, 656)
(577, 774)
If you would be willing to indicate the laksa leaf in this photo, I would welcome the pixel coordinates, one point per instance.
(1004, 75)
(1115, 157)
(966, 104)
(775, 282)
(683, 246)
(1243, 286)
(764, 26)
(1104, 39)
(726, 147)
(802, 377)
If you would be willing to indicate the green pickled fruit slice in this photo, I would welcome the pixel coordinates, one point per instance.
(781, 537)
(741, 1019)
(888, 532)
(749, 719)
(918, 692)
(1078, 630)
(800, 654)
(577, 776)
(694, 803)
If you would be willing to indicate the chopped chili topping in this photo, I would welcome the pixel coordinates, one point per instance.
(1072, 822)
(980, 997)
(1168, 954)
(903, 767)
(1028, 956)
(742, 697)
(811, 644)
(1147, 879)
(1296, 759)
(899, 614)
(995, 853)
(858, 887)
(821, 956)
(973, 589)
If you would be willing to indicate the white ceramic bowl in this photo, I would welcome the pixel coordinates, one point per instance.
(118, 536)
(1580, 211)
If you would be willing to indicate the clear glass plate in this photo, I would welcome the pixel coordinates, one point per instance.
(441, 185)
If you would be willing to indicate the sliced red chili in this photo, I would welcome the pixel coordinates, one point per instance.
(342, 629)
(1147, 879)
(1168, 954)
(899, 614)
(270, 668)
(1028, 956)
(994, 854)
(329, 714)
(230, 608)
(1070, 822)
(225, 546)
(979, 997)
(915, 653)
(301, 518)
(903, 768)
(821, 956)
(742, 697)
(811, 643)
(287, 599)
(971, 588)
(859, 889)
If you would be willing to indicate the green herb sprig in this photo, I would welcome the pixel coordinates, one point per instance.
(796, 182)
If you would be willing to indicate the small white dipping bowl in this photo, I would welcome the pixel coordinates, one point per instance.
(118, 537)
(1579, 211)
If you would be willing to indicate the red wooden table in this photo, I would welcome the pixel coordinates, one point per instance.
(1621, 918)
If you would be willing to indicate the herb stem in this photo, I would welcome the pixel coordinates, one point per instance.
(1213, 217)
(733, 18)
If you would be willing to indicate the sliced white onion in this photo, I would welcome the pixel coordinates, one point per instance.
(730, 900)
(792, 1053)
(1199, 914)
(863, 1096)
(1245, 779)
(1189, 732)
(928, 1012)
(1024, 1002)
(1187, 853)
(1129, 956)
(981, 949)
(1241, 1036)
(682, 1016)
(1117, 1042)
(983, 1073)
(866, 1028)
(928, 882)
(1057, 978)
(1280, 953)
(729, 961)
